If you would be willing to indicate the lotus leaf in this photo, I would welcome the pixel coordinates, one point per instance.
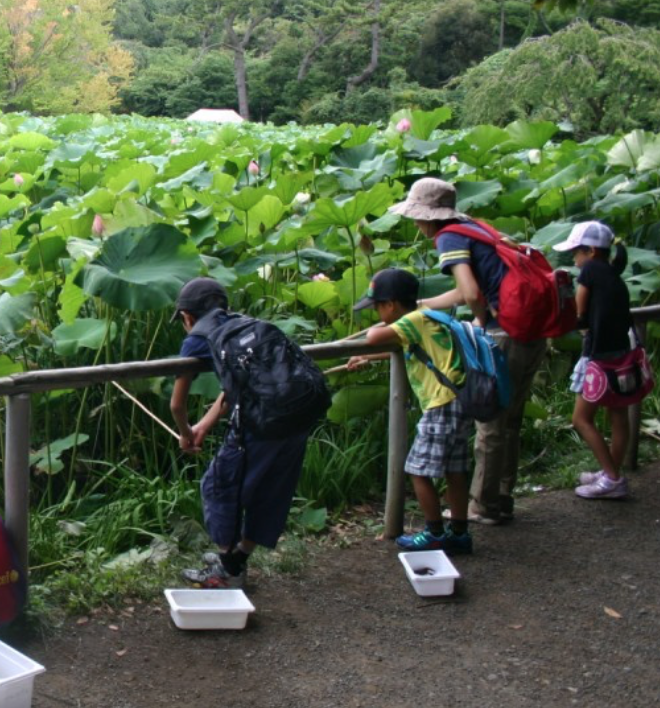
(476, 195)
(247, 198)
(628, 151)
(358, 402)
(31, 141)
(44, 252)
(8, 205)
(15, 311)
(348, 296)
(623, 203)
(317, 294)
(87, 333)
(9, 367)
(47, 459)
(423, 123)
(530, 136)
(141, 268)
(329, 212)
(129, 213)
(71, 297)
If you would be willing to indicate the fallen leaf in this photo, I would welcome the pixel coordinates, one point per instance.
(612, 613)
(113, 627)
(516, 626)
(82, 620)
(121, 652)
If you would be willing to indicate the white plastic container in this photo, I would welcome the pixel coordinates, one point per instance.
(17, 674)
(209, 609)
(430, 572)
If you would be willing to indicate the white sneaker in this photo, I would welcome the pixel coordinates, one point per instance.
(604, 488)
(589, 477)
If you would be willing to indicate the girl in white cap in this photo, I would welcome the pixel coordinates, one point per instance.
(603, 307)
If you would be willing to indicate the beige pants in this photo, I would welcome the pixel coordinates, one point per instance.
(497, 445)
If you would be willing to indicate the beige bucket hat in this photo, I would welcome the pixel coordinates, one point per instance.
(429, 199)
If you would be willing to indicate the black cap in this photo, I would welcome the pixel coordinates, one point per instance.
(200, 295)
(390, 284)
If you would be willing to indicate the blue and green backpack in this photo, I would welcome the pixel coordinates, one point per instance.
(486, 390)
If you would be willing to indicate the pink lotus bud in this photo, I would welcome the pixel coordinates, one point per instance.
(404, 125)
(322, 277)
(175, 140)
(453, 159)
(18, 180)
(253, 167)
(98, 227)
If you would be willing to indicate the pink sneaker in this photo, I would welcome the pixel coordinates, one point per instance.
(589, 477)
(604, 488)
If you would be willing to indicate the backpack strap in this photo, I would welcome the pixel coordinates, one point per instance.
(420, 353)
(475, 230)
(462, 336)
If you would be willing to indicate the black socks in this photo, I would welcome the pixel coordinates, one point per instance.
(234, 562)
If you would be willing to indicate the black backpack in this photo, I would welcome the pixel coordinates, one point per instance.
(273, 387)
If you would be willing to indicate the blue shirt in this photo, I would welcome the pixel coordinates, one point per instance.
(488, 268)
(197, 346)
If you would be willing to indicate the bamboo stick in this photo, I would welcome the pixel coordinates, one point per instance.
(153, 416)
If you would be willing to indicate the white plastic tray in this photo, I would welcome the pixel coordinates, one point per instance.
(430, 572)
(209, 609)
(17, 674)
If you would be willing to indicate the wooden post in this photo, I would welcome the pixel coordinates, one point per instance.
(635, 415)
(17, 475)
(397, 446)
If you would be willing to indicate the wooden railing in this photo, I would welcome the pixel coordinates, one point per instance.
(17, 389)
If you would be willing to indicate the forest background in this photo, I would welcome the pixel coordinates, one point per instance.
(318, 61)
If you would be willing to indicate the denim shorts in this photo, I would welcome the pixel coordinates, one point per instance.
(441, 443)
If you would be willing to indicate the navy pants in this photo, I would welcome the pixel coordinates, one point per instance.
(247, 491)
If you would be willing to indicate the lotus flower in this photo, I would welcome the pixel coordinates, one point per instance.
(98, 227)
(534, 157)
(18, 180)
(453, 159)
(175, 140)
(320, 277)
(253, 167)
(404, 125)
(265, 271)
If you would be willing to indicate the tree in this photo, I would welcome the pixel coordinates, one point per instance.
(371, 67)
(600, 78)
(324, 21)
(57, 57)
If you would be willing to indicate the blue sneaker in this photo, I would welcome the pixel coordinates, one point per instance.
(449, 542)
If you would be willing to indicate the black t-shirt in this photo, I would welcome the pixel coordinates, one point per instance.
(608, 317)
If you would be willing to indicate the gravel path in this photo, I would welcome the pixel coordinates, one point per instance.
(559, 608)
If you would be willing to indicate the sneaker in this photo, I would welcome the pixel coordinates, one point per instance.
(589, 477)
(449, 542)
(214, 576)
(479, 518)
(211, 558)
(604, 488)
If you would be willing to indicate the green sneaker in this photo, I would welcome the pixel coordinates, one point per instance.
(449, 542)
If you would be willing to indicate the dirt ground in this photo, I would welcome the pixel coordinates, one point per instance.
(559, 608)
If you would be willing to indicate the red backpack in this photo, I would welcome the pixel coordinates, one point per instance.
(535, 301)
(12, 581)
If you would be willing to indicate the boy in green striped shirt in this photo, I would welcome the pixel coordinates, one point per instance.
(440, 448)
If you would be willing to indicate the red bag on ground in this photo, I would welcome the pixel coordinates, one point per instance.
(12, 582)
(619, 382)
(535, 301)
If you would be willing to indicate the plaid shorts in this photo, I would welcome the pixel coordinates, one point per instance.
(441, 443)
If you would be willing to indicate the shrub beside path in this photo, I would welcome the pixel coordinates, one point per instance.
(559, 608)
